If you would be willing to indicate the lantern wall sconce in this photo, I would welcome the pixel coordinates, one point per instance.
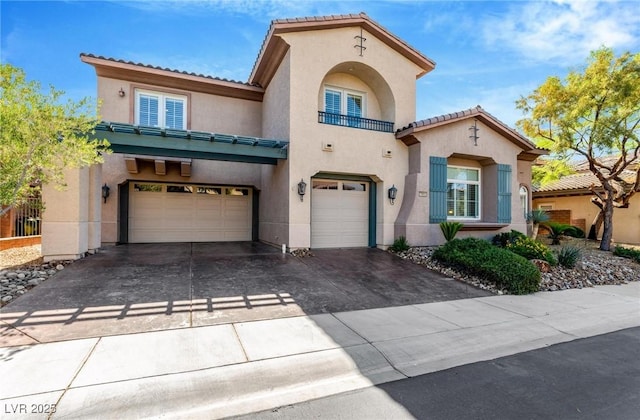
(121, 93)
(105, 192)
(393, 193)
(302, 189)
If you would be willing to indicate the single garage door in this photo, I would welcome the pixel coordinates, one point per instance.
(188, 213)
(339, 214)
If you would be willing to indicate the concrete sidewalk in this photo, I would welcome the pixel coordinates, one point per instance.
(238, 368)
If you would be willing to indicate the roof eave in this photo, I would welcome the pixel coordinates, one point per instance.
(477, 113)
(172, 79)
(267, 64)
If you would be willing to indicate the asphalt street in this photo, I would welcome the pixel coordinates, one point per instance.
(591, 378)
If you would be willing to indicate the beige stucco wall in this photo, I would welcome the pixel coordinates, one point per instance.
(626, 222)
(65, 220)
(452, 141)
(274, 194)
(314, 58)
(205, 112)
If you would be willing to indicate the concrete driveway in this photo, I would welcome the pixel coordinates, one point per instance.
(151, 287)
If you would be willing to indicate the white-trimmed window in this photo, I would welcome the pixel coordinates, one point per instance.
(155, 109)
(463, 193)
(524, 200)
(344, 102)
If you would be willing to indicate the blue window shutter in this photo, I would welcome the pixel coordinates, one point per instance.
(354, 106)
(437, 189)
(174, 113)
(504, 193)
(332, 101)
(148, 111)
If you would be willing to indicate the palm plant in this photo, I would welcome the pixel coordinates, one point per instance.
(556, 231)
(537, 217)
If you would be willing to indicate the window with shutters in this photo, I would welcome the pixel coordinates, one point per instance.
(155, 109)
(342, 105)
(463, 193)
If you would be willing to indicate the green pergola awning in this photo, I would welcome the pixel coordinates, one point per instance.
(153, 141)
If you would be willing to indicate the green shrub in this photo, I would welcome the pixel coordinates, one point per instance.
(504, 238)
(505, 269)
(400, 245)
(631, 253)
(574, 232)
(531, 250)
(568, 256)
(450, 229)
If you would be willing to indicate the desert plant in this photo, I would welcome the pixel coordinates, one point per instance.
(478, 257)
(400, 245)
(536, 217)
(630, 253)
(568, 256)
(450, 229)
(574, 232)
(504, 238)
(531, 250)
(556, 231)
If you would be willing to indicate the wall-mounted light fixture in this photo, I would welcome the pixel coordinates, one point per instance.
(302, 189)
(393, 193)
(121, 93)
(105, 192)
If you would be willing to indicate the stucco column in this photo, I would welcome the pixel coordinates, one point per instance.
(65, 220)
(95, 208)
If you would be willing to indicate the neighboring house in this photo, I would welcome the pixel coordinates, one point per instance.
(307, 153)
(571, 197)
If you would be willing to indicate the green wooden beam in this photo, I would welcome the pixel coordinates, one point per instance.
(158, 145)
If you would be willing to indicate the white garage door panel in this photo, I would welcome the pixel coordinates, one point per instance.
(339, 217)
(161, 216)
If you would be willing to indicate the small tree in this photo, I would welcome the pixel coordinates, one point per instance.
(40, 137)
(590, 114)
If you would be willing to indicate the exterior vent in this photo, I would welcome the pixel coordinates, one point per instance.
(387, 153)
(327, 147)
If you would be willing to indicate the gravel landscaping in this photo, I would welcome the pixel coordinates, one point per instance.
(594, 268)
(22, 269)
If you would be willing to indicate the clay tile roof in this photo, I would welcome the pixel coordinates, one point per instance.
(584, 178)
(149, 66)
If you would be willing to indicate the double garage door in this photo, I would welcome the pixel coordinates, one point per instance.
(339, 214)
(189, 213)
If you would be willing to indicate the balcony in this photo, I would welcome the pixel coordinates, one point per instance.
(355, 122)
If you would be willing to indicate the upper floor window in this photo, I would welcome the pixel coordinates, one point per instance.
(155, 109)
(463, 192)
(344, 102)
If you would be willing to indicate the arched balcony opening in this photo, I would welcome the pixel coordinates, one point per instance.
(355, 95)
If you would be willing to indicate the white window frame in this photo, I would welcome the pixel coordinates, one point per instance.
(524, 200)
(344, 93)
(162, 108)
(458, 181)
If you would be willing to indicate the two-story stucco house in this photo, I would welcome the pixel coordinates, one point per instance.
(321, 148)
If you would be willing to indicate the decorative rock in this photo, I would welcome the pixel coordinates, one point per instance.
(11, 275)
(7, 298)
(302, 253)
(542, 265)
(59, 267)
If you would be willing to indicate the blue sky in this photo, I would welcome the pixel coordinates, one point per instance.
(487, 52)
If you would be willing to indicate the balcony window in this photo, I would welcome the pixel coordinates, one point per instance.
(347, 108)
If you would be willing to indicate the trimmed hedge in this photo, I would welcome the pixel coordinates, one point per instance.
(531, 250)
(500, 266)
